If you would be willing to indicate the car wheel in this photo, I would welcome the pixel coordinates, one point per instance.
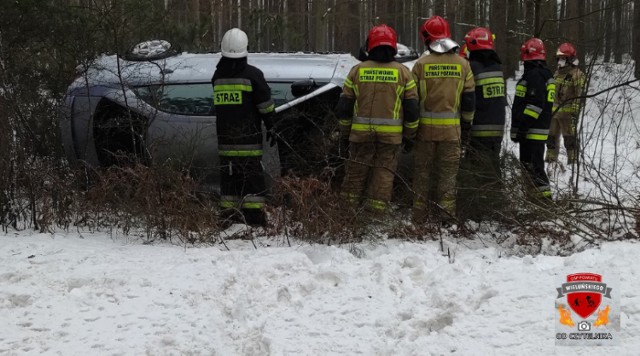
(151, 50)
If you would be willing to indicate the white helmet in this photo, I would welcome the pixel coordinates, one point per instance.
(234, 44)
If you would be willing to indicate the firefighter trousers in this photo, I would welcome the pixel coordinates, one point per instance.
(242, 187)
(435, 170)
(532, 159)
(480, 185)
(369, 173)
(565, 126)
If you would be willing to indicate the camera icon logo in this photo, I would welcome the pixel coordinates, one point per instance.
(584, 326)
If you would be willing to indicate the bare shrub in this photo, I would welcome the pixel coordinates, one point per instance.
(309, 209)
(161, 201)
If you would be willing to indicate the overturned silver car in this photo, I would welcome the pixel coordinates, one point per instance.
(155, 105)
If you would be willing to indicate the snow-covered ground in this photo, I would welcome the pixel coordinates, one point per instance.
(92, 294)
(81, 293)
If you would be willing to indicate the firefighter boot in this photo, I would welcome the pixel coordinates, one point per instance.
(572, 156)
(552, 155)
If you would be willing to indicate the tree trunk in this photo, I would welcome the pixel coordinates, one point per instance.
(451, 16)
(608, 15)
(513, 40)
(618, 36)
(347, 26)
(498, 20)
(636, 36)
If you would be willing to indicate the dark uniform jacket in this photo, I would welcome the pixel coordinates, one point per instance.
(489, 118)
(242, 99)
(533, 102)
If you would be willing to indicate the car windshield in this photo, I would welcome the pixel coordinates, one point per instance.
(196, 99)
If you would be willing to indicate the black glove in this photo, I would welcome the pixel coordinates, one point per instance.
(465, 137)
(343, 147)
(407, 145)
(271, 138)
(521, 135)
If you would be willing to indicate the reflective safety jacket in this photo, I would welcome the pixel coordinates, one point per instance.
(379, 92)
(241, 101)
(570, 82)
(489, 118)
(447, 94)
(535, 93)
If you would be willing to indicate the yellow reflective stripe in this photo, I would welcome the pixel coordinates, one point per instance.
(227, 204)
(234, 153)
(351, 197)
(376, 128)
(412, 125)
(489, 81)
(439, 122)
(241, 87)
(410, 85)
(521, 90)
(551, 92)
(537, 137)
(252, 205)
(486, 133)
(377, 204)
(348, 83)
(469, 75)
(268, 109)
(531, 113)
(345, 122)
(396, 108)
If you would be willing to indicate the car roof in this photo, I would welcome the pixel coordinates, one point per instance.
(199, 68)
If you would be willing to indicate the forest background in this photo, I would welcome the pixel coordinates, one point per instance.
(42, 44)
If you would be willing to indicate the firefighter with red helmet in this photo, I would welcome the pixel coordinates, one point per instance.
(378, 111)
(447, 103)
(481, 174)
(570, 82)
(242, 102)
(531, 115)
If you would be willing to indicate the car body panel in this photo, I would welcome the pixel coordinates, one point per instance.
(171, 136)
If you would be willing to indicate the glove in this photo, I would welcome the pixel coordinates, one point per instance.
(465, 137)
(271, 138)
(343, 146)
(521, 135)
(407, 145)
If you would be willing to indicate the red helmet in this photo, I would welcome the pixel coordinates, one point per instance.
(566, 50)
(479, 38)
(435, 28)
(382, 35)
(533, 49)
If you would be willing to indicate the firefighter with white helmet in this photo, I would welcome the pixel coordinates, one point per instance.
(570, 82)
(378, 111)
(242, 102)
(481, 175)
(447, 103)
(531, 116)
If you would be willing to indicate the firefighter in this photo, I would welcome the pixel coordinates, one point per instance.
(566, 108)
(447, 102)
(378, 110)
(531, 115)
(481, 163)
(242, 102)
